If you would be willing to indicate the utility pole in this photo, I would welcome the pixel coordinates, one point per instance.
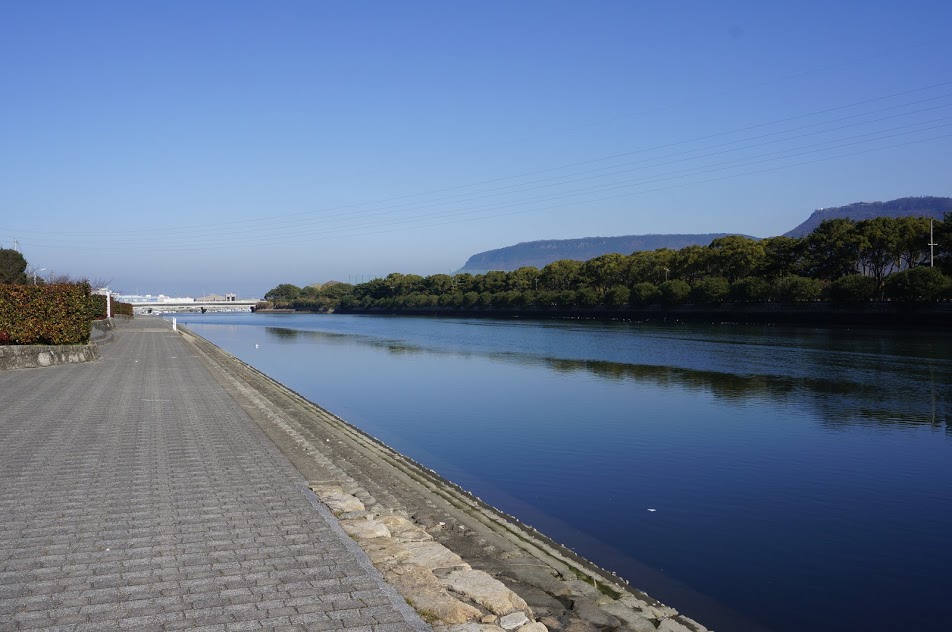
(932, 245)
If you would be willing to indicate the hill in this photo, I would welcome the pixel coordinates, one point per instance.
(935, 207)
(541, 253)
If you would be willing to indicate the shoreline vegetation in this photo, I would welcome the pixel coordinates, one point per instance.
(880, 314)
(881, 271)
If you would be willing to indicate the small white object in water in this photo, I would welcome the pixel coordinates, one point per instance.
(256, 345)
(652, 510)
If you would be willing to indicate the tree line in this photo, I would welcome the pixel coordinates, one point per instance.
(842, 260)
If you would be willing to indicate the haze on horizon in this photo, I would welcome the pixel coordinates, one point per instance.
(186, 148)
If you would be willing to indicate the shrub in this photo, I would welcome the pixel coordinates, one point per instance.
(854, 288)
(645, 294)
(710, 290)
(674, 292)
(545, 298)
(617, 295)
(348, 302)
(121, 309)
(795, 289)
(586, 296)
(509, 298)
(923, 284)
(56, 314)
(97, 307)
(453, 299)
(750, 290)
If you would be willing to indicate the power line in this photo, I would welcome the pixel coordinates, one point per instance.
(364, 231)
(218, 229)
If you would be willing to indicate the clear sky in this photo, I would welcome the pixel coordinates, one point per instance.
(190, 147)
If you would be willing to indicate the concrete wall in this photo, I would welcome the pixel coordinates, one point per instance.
(35, 356)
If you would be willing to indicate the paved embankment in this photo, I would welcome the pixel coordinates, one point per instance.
(136, 493)
(465, 565)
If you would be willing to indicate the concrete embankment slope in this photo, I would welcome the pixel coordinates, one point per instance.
(136, 494)
(456, 559)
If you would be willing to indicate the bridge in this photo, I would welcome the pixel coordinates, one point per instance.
(193, 306)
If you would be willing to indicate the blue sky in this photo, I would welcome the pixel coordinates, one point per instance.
(183, 147)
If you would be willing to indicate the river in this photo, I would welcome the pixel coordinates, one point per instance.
(801, 477)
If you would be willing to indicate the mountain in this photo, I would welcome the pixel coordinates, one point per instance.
(935, 207)
(540, 253)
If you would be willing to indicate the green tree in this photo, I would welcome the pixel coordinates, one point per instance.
(500, 299)
(674, 292)
(492, 282)
(880, 248)
(12, 267)
(348, 302)
(438, 283)
(603, 272)
(587, 296)
(913, 241)
(409, 284)
(750, 290)
(566, 298)
(546, 298)
(783, 256)
(523, 279)
(735, 256)
(336, 289)
(645, 294)
(922, 284)
(560, 275)
(617, 295)
(310, 292)
(833, 249)
(942, 236)
(465, 282)
(797, 289)
(284, 293)
(651, 266)
(691, 263)
(710, 290)
(374, 289)
(854, 288)
(451, 299)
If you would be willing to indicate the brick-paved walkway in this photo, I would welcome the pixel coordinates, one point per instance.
(136, 494)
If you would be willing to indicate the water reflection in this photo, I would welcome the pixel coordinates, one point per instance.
(891, 391)
(283, 333)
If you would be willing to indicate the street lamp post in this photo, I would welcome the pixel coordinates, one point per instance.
(35, 273)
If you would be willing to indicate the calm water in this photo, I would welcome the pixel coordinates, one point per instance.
(802, 478)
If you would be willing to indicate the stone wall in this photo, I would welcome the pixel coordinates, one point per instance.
(35, 356)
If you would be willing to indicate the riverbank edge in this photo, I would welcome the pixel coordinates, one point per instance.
(878, 314)
(561, 590)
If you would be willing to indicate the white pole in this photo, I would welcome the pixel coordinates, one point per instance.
(174, 325)
(108, 304)
(932, 245)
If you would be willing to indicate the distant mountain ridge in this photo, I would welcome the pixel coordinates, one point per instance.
(538, 254)
(934, 207)
(541, 253)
